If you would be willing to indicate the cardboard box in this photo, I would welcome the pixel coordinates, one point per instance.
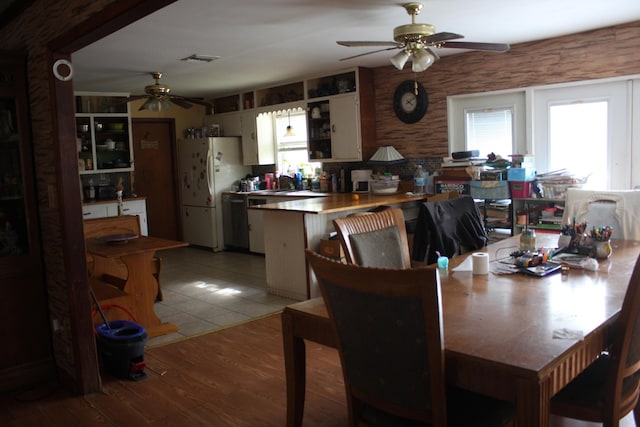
(332, 249)
(490, 189)
(521, 174)
(447, 186)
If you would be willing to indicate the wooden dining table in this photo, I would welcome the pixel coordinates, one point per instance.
(513, 337)
(140, 284)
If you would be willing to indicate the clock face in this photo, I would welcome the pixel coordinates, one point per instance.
(410, 101)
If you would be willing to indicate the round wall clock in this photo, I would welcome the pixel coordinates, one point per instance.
(410, 101)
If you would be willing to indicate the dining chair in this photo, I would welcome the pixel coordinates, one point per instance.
(449, 227)
(619, 209)
(377, 239)
(388, 324)
(608, 389)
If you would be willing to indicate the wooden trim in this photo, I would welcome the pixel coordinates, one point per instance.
(110, 19)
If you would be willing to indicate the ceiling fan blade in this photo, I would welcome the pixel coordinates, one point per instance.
(143, 106)
(434, 53)
(369, 53)
(367, 43)
(198, 101)
(180, 102)
(494, 47)
(441, 37)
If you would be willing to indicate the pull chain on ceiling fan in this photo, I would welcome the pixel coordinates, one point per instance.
(417, 41)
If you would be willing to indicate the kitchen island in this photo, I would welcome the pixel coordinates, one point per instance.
(291, 226)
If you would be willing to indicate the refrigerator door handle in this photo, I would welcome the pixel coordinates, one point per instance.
(210, 166)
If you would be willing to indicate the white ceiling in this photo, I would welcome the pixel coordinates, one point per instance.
(263, 42)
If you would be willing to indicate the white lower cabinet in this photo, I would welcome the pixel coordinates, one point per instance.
(129, 207)
(256, 231)
(94, 211)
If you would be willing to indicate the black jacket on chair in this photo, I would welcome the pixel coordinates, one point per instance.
(451, 227)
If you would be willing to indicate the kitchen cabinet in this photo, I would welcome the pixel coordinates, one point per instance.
(129, 207)
(27, 357)
(103, 131)
(339, 123)
(333, 131)
(230, 123)
(259, 146)
(94, 211)
(255, 219)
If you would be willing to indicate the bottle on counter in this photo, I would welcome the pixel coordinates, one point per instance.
(92, 190)
(419, 181)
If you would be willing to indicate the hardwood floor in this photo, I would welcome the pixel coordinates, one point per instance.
(232, 377)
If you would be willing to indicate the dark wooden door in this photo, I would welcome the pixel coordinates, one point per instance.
(154, 150)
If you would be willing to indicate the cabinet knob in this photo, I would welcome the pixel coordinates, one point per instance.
(333, 128)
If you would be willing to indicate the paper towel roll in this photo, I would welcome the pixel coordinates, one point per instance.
(480, 262)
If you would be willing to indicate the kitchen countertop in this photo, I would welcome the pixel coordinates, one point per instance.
(100, 202)
(338, 202)
(279, 193)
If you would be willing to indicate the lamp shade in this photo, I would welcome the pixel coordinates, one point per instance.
(422, 59)
(386, 155)
(399, 59)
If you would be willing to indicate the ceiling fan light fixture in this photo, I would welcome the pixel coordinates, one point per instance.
(399, 59)
(422, 59)
(157, 104)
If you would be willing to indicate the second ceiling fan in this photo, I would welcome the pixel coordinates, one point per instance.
(159, 98)
(418, 41)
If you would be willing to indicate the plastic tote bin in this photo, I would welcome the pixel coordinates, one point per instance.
(521, 190)
(121, 348)
(489, 189)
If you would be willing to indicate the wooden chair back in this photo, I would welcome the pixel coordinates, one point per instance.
(622, 390)
(98, 227)
(389, 328)
(609, 388)
(383, 248)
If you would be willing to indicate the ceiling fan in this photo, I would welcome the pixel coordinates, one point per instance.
(418, 40)
(159, 98)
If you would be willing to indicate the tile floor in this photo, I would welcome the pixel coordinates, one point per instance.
(204, 291)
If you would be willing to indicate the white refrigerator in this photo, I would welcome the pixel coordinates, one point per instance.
(207, 167)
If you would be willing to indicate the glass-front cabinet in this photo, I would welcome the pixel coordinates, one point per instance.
(103, 132)
(17, 208)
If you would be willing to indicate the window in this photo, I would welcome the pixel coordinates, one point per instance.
(490, 130)
(585, 129)
(490, 123)
(292, 150)
(578, 140)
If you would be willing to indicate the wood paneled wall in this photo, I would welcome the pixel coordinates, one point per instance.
(607, 52)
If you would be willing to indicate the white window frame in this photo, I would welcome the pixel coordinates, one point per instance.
(459, 105)
(532, 105)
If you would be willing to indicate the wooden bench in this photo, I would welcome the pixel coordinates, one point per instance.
(99, 227)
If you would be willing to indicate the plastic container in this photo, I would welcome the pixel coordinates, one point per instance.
(521, 189)
(384, 186)
(121, 348)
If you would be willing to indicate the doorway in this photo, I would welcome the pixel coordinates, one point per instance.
(155, 176)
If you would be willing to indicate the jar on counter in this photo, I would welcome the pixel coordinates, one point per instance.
(528, 240)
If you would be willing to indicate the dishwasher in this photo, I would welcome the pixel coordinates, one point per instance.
(235, 224)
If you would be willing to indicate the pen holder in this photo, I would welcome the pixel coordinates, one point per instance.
(602, 249)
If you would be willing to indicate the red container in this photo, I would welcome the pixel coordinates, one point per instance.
(521, 189)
